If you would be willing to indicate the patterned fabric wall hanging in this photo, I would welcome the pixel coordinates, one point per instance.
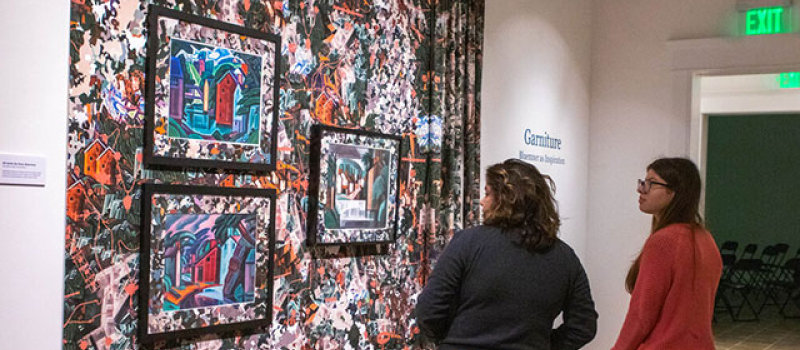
(357, 64)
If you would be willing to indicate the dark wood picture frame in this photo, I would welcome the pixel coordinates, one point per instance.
(252, 326)
(314, 229)
(155, 13)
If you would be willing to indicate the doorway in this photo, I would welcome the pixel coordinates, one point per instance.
(750, 152)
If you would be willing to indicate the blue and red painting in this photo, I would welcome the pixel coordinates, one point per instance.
(209, 260)
(214, 93)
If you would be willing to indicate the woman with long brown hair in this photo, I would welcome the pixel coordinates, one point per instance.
(674, 279)
(501, 285)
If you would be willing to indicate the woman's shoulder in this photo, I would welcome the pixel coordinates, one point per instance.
(483, 233)
(564, 249)
(473, 233)
(477, 230)
(677, 231)
(674, 237)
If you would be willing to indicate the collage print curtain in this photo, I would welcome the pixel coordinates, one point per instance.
(400, 67)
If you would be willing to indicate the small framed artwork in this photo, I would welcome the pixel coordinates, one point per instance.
(206, 260)
(354, 187)
(212, 93)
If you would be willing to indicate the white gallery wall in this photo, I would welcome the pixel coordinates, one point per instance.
(633, 121)
(536, 78)
(33, 113)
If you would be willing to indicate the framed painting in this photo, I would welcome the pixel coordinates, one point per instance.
(206, 260)
(212, 93)
(354, 187)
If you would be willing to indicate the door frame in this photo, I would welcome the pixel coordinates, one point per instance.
(693, 58)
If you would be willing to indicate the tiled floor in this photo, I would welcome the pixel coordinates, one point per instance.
(771, 333)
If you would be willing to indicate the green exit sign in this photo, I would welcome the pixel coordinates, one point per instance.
(789, 80)
(767, 20)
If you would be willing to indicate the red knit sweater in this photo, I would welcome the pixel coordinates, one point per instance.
(672, 303)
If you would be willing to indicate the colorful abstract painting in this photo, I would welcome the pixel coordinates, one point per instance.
(207, 256)
(213, 95)
(209, 260)
(356, 186)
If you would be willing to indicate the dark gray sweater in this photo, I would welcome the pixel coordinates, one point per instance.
(486, 292)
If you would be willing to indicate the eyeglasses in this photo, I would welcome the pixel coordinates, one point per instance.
(645, 185)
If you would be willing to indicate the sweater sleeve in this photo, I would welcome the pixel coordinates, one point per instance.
(647, 300)
(439, 298)
(580, 317)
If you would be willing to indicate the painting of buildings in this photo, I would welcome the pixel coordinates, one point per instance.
(175, 89)
(360, 186)
(209, 260)
(356, 186)
(225, 89)
(213, 93)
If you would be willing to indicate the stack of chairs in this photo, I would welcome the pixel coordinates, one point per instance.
(751, 282)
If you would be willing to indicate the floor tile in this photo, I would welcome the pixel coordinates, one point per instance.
(772, 332)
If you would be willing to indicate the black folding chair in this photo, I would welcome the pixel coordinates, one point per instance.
(791, 269)
(782, 273)
(729, 247)
(749, 251)
(764, 280)
(728, 261)
(782, 249)
(737, 288)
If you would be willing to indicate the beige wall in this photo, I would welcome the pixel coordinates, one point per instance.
(33, 110)
(636, 116)
(536, 76)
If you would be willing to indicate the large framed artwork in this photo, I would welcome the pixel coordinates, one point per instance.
(206, 260)
(354, 187)
(212, 93)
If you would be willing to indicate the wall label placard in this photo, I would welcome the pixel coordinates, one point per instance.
(22, 170)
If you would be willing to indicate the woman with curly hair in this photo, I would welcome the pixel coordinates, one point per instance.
(674, 279)
(501, 285)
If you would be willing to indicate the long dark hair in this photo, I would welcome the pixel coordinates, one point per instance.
(683, 178)
(523, 203)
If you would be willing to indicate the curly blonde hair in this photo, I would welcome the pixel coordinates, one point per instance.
(523, 202)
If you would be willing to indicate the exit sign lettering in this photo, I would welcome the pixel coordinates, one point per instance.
(768, 20)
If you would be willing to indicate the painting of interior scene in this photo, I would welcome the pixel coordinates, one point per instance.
(358, 179)
(209, 260)
(214, 93)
